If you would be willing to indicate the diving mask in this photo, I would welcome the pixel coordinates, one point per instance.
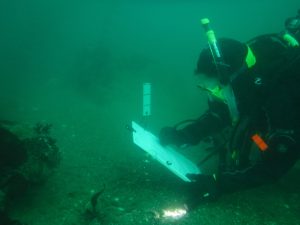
(212, 86)
(223, 93)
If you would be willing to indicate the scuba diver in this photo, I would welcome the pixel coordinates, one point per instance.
(253, 116)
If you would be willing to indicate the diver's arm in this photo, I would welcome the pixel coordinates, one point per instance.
(214, 120)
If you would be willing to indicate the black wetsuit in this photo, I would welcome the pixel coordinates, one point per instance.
(268, 99)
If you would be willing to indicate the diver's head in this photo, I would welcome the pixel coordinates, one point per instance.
(210, 77)
(233, 56)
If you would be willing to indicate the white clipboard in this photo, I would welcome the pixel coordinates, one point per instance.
(165, 155)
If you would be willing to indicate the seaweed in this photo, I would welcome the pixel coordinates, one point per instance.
(43, 154)
(25, 160)
(91, 211)
(42, 129)
(95, 197)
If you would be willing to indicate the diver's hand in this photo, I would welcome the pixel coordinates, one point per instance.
(202, 188)
(169, 135)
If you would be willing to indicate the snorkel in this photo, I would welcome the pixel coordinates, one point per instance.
(225, 89)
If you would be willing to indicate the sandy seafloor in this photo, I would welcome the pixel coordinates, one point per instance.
(97, 151)
(81, 66)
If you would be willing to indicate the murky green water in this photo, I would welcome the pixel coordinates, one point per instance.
(80, 66)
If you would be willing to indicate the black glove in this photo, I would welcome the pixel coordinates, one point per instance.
(169, 135)
(202, 188)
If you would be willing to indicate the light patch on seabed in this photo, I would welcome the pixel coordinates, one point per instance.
(174, 213)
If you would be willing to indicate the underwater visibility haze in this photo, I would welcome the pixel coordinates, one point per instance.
(71, 79)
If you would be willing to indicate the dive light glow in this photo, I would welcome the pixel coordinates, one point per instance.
(175, 213)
